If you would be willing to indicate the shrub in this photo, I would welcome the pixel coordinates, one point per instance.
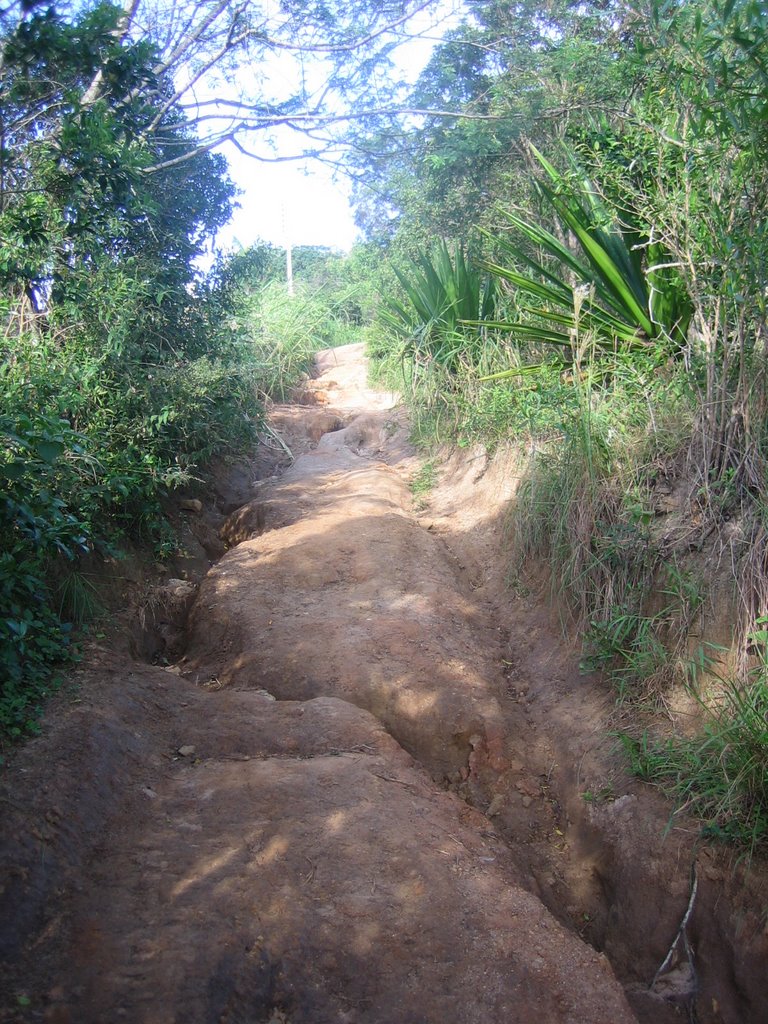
(37, 529)
(720, 775)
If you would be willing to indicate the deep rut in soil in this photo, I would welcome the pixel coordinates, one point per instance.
(356, 798)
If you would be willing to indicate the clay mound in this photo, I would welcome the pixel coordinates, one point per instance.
(333, 895)
(292, 864)
(354, 600)
(109, 751)
(280, 506)
(332, 889)
(303, 424)
(339, 591)
(324, 449)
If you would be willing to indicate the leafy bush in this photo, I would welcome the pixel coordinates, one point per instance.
(123, 434)
(39, 459)
(528, 409)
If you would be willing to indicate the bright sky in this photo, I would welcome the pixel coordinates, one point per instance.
(280, 203)
(300, 203)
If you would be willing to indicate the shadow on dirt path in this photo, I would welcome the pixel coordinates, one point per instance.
(344, 804)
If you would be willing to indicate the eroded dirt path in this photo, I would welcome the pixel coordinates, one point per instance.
(355, 798)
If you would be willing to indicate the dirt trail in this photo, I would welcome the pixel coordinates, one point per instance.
(344, 594)
(352, 797)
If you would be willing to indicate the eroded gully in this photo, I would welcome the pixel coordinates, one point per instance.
(358, 796)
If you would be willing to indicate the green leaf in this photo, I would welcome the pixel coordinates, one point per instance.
(49, 450)
(13, 470)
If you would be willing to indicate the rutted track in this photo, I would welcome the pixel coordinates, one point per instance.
(316, 853)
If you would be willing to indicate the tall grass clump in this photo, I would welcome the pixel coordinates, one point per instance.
(585, 507)
(284, 332)
(284, 329)
(719, 775)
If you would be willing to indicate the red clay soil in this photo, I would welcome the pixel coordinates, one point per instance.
(357, 797)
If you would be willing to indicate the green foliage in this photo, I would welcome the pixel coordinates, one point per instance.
(245, 271)
(441, 293)
(40, 456)
(604, 794)
(720, 775)
(76, 192)
(528, 410)
(282, 332)
(134, 419)
(632, 302)
(77, 599)
(67, 491)
(148, 424)
(516, 71)
(691, 157)
(643, 653)
(118, 381)
(627, 645)
(423, 482)
(584, 506)
(605, 294)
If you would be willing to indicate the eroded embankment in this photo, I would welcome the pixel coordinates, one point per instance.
(286, 826)
(600, 848)
(217, 855)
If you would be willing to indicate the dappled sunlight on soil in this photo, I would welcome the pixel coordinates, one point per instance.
(356, 798)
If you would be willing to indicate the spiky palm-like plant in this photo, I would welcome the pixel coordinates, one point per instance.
(619, 289)
(443, 295)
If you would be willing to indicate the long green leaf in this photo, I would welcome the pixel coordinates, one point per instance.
(607, 253)
(522, 371)
(529, 331)
(602, 261)
(559, 296)
(546, 241)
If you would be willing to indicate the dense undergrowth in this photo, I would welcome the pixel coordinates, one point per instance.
(610, 501)
(604, 313)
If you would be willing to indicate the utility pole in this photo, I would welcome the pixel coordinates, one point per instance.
(288, 252)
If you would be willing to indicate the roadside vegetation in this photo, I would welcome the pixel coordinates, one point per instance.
(97, 439)
(598, 300)
(124, 372)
